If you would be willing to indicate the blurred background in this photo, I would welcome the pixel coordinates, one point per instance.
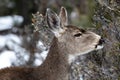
(25, 40)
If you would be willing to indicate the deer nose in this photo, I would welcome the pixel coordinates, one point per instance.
(101, 41)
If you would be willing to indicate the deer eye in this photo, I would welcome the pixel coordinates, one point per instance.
(78, 34)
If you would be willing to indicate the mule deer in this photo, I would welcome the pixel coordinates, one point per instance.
(68, 43)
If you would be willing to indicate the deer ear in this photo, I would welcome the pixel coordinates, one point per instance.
(53, 22)
(63, 16)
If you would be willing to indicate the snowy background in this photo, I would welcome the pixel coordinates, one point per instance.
(10, 44)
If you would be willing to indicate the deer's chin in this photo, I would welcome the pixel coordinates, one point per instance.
(97, 47)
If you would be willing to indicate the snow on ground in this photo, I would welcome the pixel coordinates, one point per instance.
(6, 57)
(13, 42)
(7, 22)
(40, 57)
(9, 39)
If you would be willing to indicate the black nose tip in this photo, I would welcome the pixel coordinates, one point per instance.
(101, 41)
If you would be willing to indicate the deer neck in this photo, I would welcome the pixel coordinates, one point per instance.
(56, 62)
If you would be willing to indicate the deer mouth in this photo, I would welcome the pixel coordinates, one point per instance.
(100, 44)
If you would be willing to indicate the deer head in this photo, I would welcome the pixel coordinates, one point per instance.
(77, 41)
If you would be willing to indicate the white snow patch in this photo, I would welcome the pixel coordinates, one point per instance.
(10, 40)
(2, 41)
(44, 54)
(6, 58)
(81, 77)
(40, 57)
(40, 45)
(13, 42)
(14, 38)
(7, 22)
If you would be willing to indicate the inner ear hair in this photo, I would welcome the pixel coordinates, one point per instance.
(52, 19)
(63, 16)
